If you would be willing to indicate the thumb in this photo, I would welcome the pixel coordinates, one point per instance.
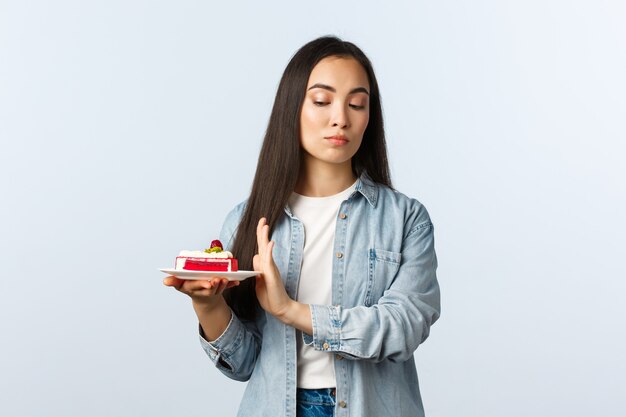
(256, 262)
(172, 281)
(259, 284)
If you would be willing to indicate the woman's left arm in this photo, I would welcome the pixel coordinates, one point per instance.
(399, 322)
(391, 329)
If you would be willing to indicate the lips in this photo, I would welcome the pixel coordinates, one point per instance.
(337, 139)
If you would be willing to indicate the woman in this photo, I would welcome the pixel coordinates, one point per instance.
(347, 289)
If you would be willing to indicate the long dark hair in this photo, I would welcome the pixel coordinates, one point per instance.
(279, 161)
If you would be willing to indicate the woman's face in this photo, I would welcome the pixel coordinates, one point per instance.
(335, 111)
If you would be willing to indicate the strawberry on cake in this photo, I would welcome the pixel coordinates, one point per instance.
(214, 259)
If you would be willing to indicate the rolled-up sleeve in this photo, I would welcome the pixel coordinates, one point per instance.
(399, 321)
(234, 353)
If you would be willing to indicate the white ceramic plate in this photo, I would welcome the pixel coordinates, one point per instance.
(231, 276)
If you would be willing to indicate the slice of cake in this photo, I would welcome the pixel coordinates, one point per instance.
(214, 259)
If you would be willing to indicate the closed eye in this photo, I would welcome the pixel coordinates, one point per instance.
(320, 103)
(356, 107)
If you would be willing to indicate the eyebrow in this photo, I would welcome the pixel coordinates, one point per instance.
(329, 88)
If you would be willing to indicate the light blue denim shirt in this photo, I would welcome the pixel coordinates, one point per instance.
(385, 298)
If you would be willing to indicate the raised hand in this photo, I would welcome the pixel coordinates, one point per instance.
(270, 289)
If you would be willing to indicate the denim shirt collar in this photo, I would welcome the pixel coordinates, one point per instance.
(365, 185)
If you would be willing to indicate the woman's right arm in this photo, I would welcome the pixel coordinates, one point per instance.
(232, 344)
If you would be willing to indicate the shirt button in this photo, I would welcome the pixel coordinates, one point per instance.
(338, 357)
(325, 346)
(339, 255)
(343, 216)
(343, 404)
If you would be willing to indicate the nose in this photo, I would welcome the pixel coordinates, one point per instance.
(340, 116)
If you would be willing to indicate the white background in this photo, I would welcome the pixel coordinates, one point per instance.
(128, 129)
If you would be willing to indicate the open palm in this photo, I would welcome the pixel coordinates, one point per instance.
(270, 290)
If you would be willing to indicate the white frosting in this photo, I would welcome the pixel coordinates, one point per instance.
(203, 254)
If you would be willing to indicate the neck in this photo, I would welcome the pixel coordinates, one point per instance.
(319, 179)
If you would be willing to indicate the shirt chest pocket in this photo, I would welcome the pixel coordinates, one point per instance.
(382, 268)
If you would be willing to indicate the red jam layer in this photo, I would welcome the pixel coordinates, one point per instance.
(211, 264)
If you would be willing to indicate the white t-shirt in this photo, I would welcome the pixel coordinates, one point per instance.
(316, 369)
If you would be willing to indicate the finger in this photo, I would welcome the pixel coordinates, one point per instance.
(215, 282)
(267, 260)
(232, 284)
(264, 241)
(222, 286)
(202, 288)
(200, 284)
(172, 281)
(265, 235)
(260, 235)
(218, 285)
(206, 284)
(269, 255)
(193, 285)
(268, 267)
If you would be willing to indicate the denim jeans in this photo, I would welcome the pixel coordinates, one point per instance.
(315, 402)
